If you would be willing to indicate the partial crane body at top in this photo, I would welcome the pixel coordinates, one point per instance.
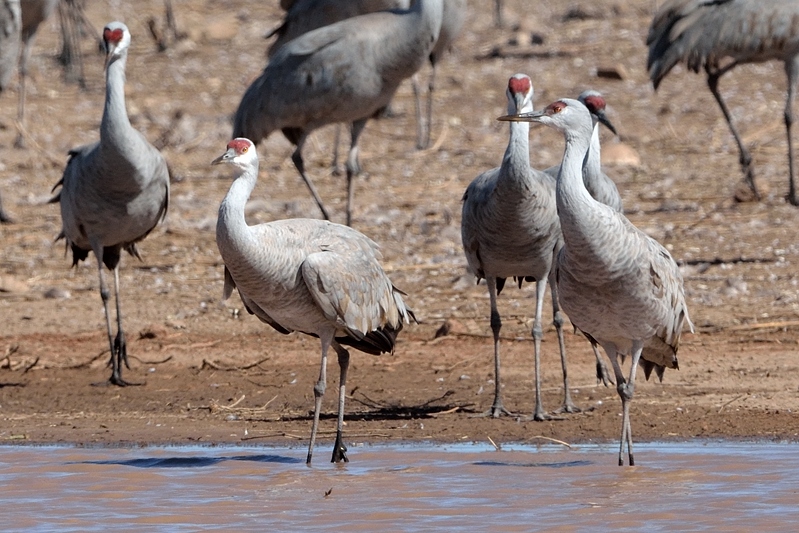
(113, 192)
(303, 16)
(510, 228)
(717, 35)
(310, 276)
(343, 72)
(619, 287)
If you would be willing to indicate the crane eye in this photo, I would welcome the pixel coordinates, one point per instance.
(244, 150)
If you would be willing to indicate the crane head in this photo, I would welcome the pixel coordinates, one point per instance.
(520, 94)
(240, 152)
(595, 103)
(568, 116)
(117, 40)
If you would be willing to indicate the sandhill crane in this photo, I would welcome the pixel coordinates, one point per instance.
(343, 72)
(717, 35)
(599, 185)
(307, 275)
(619, 286)
(509, 228)
(113, 192)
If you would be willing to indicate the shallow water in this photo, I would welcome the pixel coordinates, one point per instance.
(695, 486)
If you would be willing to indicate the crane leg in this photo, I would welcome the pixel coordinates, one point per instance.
(353, 165)
(429, 119)
(568, 406)
(318, 392)
(19, 142)
(497, 409)
(625, 388)
(498, 19)
(602, 375)
(120, 352)
(296, 158)
(336, 141)
(339, 449)
(417, 95)
(745, 158)
(538, 333)
(792, 71)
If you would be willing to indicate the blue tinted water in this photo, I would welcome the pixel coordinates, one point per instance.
(694, 486)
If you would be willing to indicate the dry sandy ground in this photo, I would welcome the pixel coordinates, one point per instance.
(214, 374)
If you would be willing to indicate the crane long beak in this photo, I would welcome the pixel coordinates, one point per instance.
(604, 120)
(224, 158)
(522, 117)
(110, 54)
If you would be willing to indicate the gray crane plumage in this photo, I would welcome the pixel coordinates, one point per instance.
(306, 15)
(303, 16)
(113, 192)
(343, 72)
(510, 228)
(619, 286)
(310, 276)
(717, 35)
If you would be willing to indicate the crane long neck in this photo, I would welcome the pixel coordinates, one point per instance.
(231, 226)
(579, 213)
(592, 165)
(115, 128)
(517, 154)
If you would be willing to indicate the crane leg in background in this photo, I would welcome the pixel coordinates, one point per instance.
(296, 157)
(568, 405)
(353, 165)
(745, 157)
(792, 71)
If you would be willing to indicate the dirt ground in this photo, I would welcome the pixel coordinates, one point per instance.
(211, 373)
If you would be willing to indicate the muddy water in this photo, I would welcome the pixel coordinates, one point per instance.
(697, 486)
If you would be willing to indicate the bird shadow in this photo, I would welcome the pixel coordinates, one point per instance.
(377, 411)
(557, 464)
(191, 462)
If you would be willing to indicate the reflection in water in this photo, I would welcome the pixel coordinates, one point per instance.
(709, 486)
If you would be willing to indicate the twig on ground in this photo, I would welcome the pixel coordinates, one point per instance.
(216, 366)
(556, 441)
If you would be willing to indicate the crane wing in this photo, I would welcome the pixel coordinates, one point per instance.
(353, 290)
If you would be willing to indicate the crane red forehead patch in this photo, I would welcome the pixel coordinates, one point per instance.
(519, 85)
(112, 36)
(594, 103)
(240, 146)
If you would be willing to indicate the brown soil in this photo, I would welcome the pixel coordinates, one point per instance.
(212, 373)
